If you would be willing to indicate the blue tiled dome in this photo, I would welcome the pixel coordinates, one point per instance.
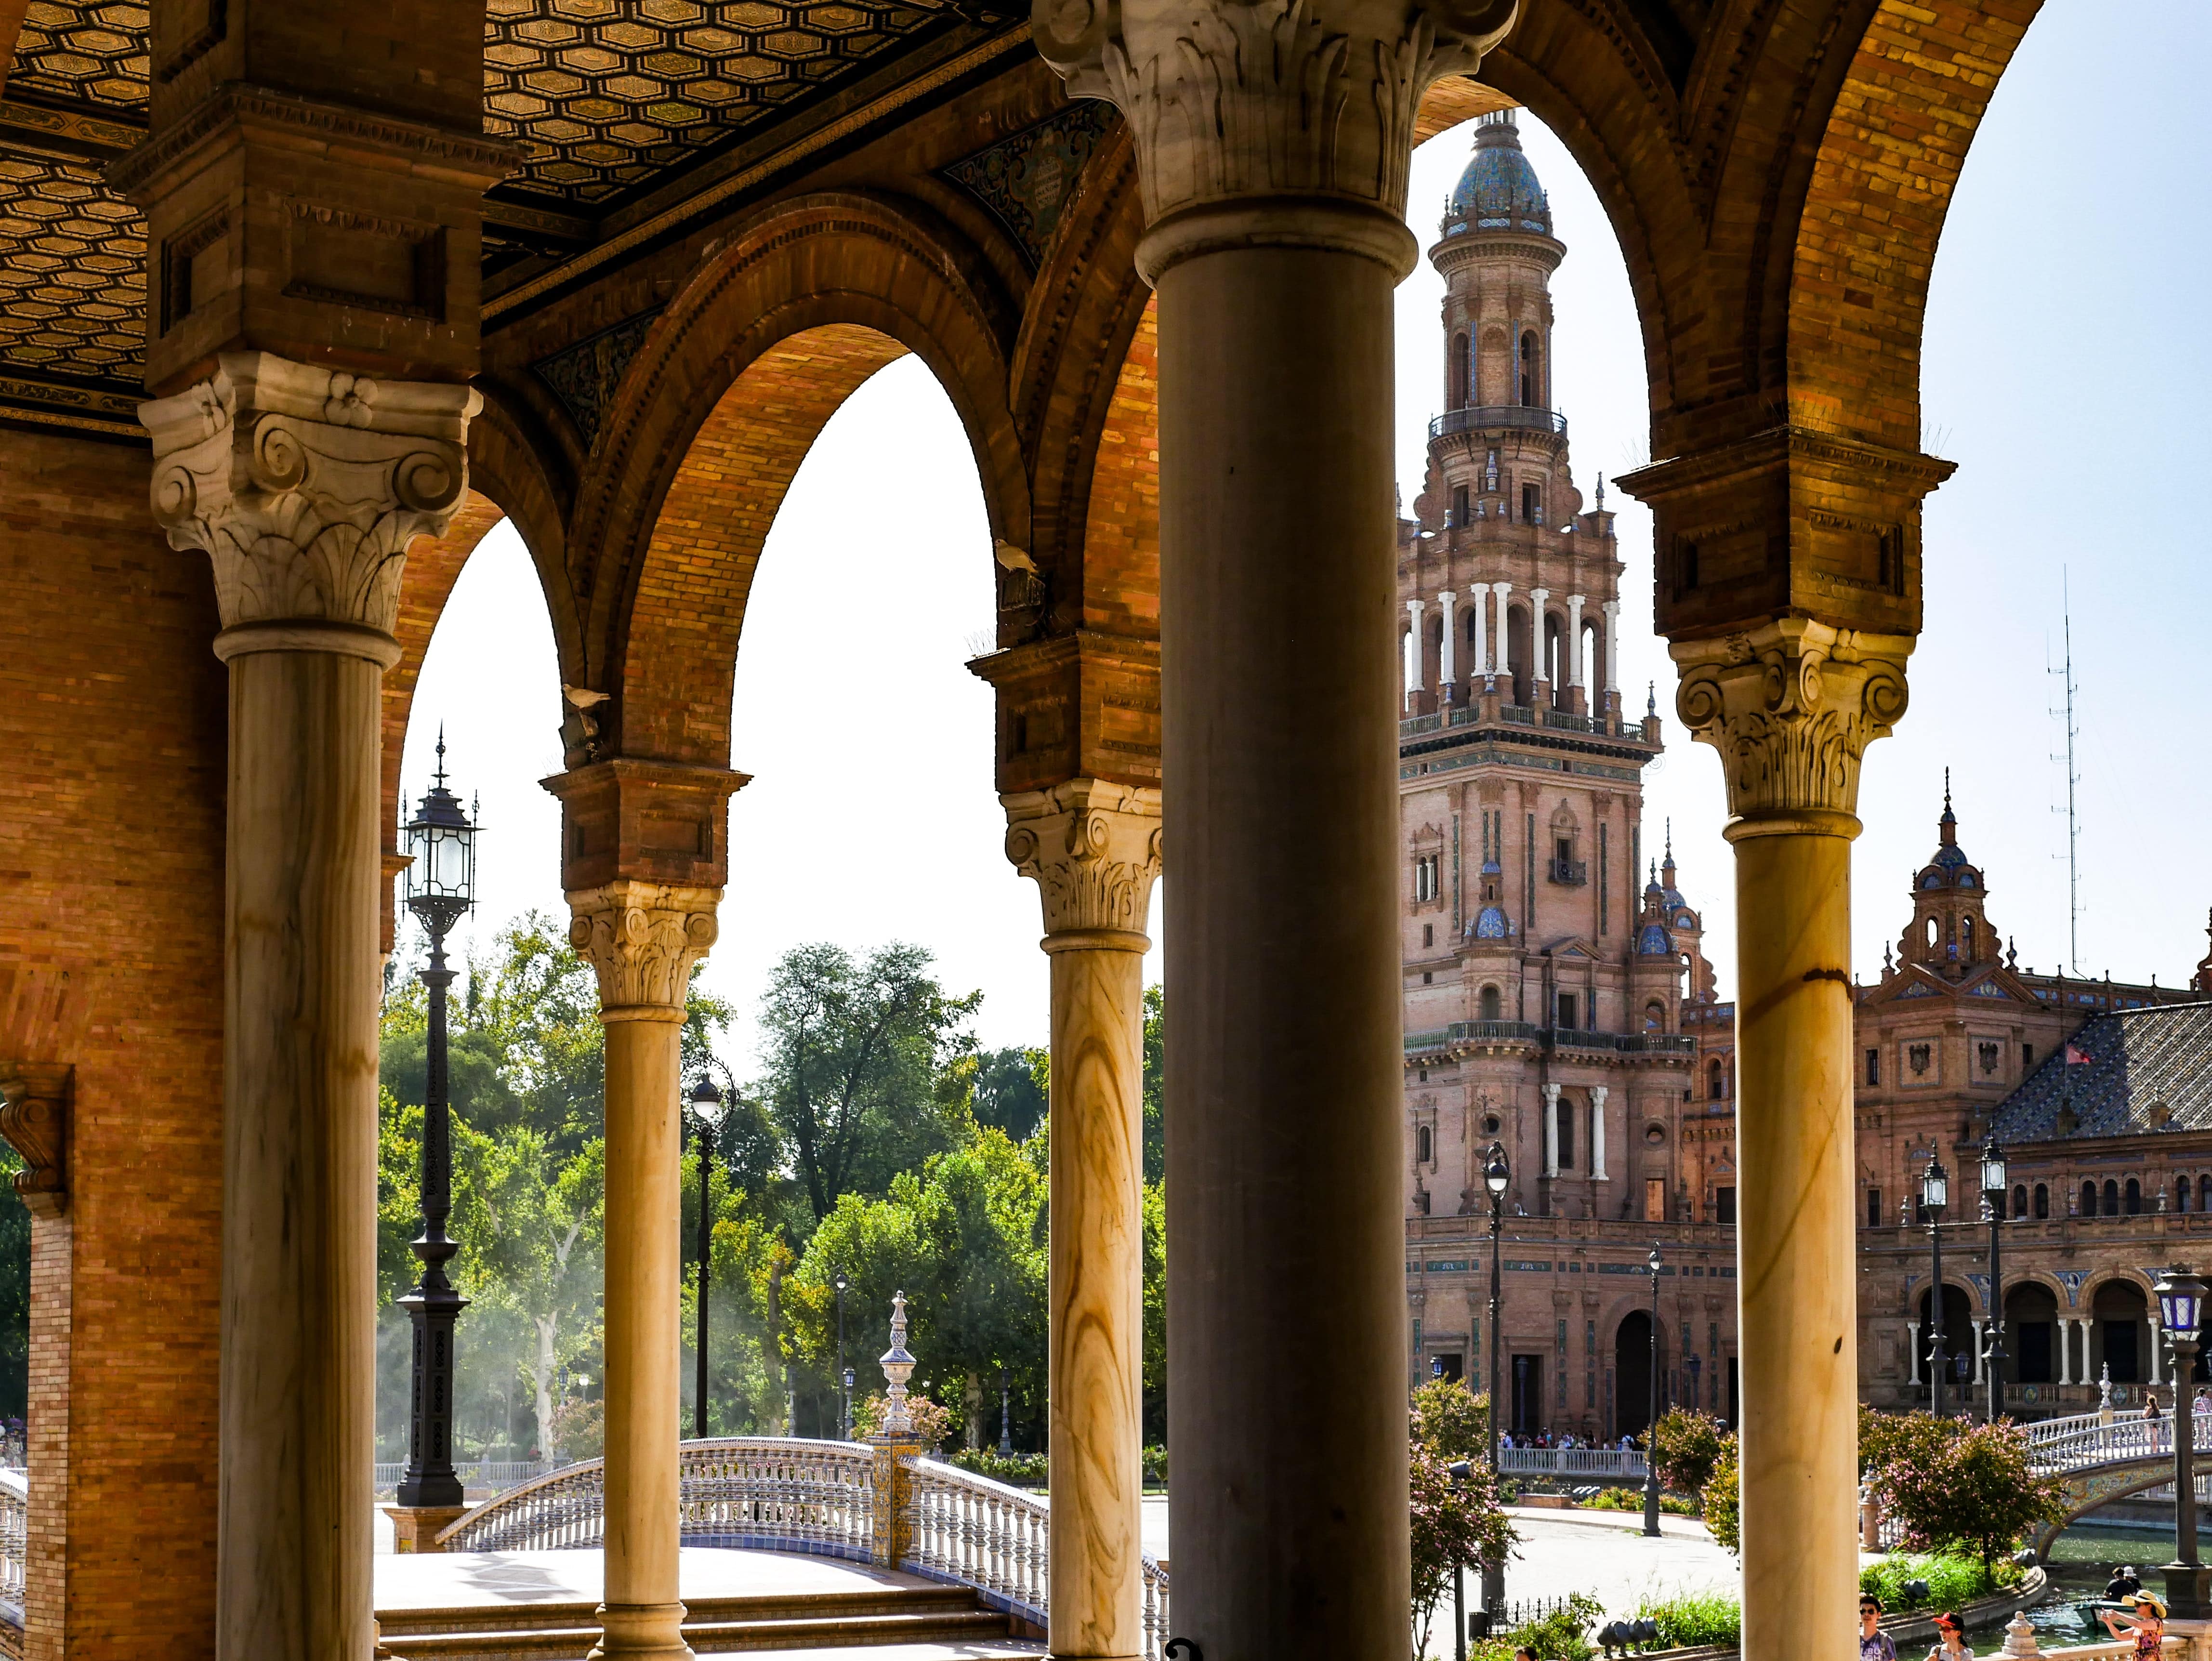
(1499, 190)
(1653, 942)
(1490, 925)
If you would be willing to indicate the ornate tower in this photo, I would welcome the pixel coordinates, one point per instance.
(1543, 994)
(1949, 933)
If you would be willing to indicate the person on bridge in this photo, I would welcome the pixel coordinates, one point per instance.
(2145, 1628)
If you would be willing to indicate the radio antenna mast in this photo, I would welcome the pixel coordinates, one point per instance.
(2073, 780)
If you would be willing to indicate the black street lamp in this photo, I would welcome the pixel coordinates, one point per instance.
(1497, 1177)
(1650, 1461)
(842, 1280)
(1995, 1189)
(2181, 1306)
(1007, 1415)
(706, 1103)
(440, 890)
(1935, 1195)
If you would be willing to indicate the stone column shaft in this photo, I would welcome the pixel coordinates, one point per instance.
(304, 486)
(642, 938)
(1272, 141)
(1598, 1094)
(1612, 610)
(1551, 1131)
(1913, 1349)
(1446, 601)
(1577, 669)
(1416, 653)
(1481, 601)
(1791, 706)
(1094, 848)
(1504, 654)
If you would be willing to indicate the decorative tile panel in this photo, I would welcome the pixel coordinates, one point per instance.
(1025, 178)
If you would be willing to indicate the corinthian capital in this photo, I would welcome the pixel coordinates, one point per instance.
(642, 938)
(1094, 848)
(1791, 706)
(304, 487)
(1272, 98)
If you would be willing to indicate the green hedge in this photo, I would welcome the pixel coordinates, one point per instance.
(1952, 1581)
(1689, 1619)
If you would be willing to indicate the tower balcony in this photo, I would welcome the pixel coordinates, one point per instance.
(1499, 418)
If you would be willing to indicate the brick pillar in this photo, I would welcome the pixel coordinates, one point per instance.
(35, 1120)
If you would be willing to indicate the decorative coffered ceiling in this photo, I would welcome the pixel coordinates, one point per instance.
(622, 110)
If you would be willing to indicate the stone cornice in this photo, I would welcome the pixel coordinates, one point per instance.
(642, 939)
(240, 104)
(1283, 101)
(1791, 705)
(304, 485)
(1094, 850)
(1725, 463)
(1015, 663)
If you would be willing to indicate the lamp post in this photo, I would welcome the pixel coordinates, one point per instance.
(1006, 1415)
(706, 1103)
(440, 890)
(1651, 1463)
(2181, 1306)
(1935, 1195)
(1995, 1188)
(1497, 1178)
(844, 1373)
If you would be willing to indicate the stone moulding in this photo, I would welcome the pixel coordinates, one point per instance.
(1281, 98)
(35, 1103)
(1094, 848)
(642, 939)
(304, 485)
(1791, 705)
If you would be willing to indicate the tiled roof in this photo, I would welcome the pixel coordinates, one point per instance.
(2149, 1070)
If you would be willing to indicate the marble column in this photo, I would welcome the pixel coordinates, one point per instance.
(1611, 609)
(1414, 653)
(2065, 1350)
(1551, 1131)
(1481, 601)
(1598, 1093)
(1094, 850)
(642, 939)
(1792, 705)
(1502, 651)
(1577, 669)
(304, 486)
(1272, 143)
(2151, 1323)
(1539, 672)
(1446, 599)
(1912, 1349)
(1977, 1349)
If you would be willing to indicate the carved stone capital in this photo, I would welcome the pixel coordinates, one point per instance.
(1093, 848)
(1293, 99)
(34, 1117)
(1791, 706)
(304, 486)
(642, 938)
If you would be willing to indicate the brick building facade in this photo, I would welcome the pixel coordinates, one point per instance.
(1554, 1008)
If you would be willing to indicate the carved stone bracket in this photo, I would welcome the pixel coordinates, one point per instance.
(1791, 706)
(1093, 848)
(34, 1117)
(1230, 101)
(642, 938)
(304, 487)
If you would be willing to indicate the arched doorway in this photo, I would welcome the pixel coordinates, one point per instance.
(1632, 1372)
(2119, 1334)
(1957, 1336)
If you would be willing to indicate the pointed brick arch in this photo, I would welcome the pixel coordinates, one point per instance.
(728, 392)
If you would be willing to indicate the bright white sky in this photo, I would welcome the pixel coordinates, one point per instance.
(2067, 354)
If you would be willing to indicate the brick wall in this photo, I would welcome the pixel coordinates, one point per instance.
(112, 725)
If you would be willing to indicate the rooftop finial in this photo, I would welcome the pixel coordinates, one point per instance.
(1650, 697)
(441, 752)
(1600, 493)
(898, 1368)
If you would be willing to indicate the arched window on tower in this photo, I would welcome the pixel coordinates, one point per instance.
(2042, 1200)
(1424, 1145)
(2111, 1197)
(1966, 938)
(2181, 1194)
(1459, 505)
(2134, 1197)
(2204, 1193)
(2089, 1199)
(1456, 391)
(1715, 1081)
(1532, 370)
(2019, 1202)
(1490, 1003)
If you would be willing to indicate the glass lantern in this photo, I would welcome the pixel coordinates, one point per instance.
(1994, 1183)
(2180, 1301)
(1936, 1186)
(1497, 1173)
(441, 846)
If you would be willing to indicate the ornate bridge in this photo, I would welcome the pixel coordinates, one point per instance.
(2098, 1458)
(824, 1498)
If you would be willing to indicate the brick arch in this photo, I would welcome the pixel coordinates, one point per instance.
(727, 393)
(1897, 134)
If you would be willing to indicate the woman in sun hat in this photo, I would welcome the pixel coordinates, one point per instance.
(2145, 1628)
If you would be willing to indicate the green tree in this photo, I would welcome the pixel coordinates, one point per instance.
(1721, 1498)
(1456, 1520)
(1452, 1421)
(854, 1050)
(1685, 1444)
(1972, 1490)
(1009, 1091)
(1156, 1147)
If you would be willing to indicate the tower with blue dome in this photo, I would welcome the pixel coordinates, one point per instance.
(1550, 1005)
